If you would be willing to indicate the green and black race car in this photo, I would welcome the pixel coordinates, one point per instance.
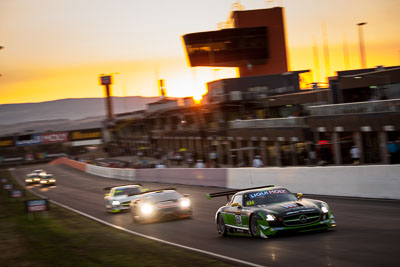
(266, 211)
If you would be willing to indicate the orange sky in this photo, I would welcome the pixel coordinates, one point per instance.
(57, 49)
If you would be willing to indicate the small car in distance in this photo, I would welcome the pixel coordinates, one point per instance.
(158, 204)
(48, 179)
(36, 175)
(31, 178)
(269, 210)
(119, 197)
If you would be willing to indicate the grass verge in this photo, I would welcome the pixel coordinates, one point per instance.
(63, 238)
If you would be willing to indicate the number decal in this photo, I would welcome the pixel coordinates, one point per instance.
(238, 219)
(250, 202)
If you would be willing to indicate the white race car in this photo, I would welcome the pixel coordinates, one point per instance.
(119, 197)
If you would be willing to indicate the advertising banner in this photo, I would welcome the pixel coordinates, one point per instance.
(6, 142)
(36, 205)
(16, 193)
(7, 186)
(86, 134)
(58, 137)
(26, 140)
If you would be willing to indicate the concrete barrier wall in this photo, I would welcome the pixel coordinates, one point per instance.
(379, 181)
(117, 173)
(189, 176)
(72, 163)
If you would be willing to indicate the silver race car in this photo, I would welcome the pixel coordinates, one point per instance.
(159, 204)
(119, 197)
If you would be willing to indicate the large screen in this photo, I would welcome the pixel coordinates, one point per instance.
(228, 47)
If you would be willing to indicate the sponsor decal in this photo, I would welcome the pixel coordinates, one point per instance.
(58, 137)
(36, 205)
(267, 192)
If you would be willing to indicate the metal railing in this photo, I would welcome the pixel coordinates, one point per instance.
(265, 123)
(354, 108)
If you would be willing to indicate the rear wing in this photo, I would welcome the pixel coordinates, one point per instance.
(152, 191)
(232, 192)
(110, 187)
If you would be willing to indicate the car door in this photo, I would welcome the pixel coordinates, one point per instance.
(234, 214)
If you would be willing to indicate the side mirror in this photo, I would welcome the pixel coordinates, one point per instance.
(186, 195)
(145, 189)
(236, 205)
(299, 195)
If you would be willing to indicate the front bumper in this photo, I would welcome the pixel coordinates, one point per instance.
(164, 213)
(117, 208)
(265, 229)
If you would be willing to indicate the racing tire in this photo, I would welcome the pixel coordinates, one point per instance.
(254, 226)
(221, 227)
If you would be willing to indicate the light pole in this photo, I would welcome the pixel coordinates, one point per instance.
(362, 45)
(1, 47)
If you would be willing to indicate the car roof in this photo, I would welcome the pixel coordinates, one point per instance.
(260, 189)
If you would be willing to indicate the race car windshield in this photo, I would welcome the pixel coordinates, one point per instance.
(267, 197)
(126, 191)
(163, 196)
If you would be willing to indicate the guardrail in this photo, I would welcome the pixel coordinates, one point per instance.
(377, 181)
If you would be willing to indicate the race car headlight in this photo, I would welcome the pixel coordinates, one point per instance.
(146, 208)
(324, 209)
(115, 203)
(185, 202)
(43, 182)
(52, 181)
(28, 180)
(270, 217)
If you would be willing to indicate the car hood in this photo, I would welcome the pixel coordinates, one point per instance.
(289, 207)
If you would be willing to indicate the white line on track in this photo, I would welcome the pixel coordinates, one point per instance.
(215, 255)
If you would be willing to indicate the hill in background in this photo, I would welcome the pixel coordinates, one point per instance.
(64, 114)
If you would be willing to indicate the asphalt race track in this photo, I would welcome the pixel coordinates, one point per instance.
(368, 232)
